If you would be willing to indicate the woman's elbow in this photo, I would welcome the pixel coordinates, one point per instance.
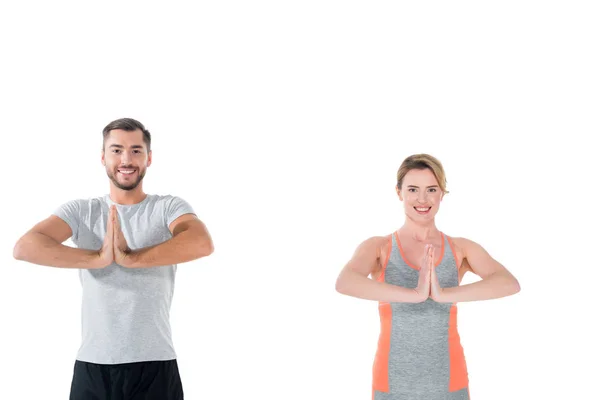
(510, 284)
(515, 286)
(341, 284)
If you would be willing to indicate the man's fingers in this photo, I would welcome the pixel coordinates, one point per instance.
(116, 227)
(115, 218)
(109, 225)
(111, 216)
(112, 225)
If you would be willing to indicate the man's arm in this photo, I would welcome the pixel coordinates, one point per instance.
(496, 281)
(190, 241)
(42, 245)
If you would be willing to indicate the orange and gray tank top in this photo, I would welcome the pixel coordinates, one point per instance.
(419, 354)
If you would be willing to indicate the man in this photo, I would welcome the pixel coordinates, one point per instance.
(128, 246)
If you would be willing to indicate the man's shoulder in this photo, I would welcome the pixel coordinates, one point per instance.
(84, 201)
(162, 198)
(168, 202)
(100, 202)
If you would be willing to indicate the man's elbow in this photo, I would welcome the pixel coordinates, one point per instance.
(19, 251)
(205, 248)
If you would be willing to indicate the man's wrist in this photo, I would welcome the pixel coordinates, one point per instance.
(130, 259)
(95, 259)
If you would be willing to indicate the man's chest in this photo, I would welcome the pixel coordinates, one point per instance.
(140, 231)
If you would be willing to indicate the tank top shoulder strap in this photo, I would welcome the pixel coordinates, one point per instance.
(386, 257)
(450, 251)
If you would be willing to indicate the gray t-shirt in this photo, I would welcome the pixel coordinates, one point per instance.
(125, 311)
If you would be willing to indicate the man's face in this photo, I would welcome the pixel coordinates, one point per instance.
(126, 158)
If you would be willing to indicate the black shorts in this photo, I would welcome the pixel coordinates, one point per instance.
(149, 380)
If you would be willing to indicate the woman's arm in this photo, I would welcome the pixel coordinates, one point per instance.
(354, 279)
(496, 281)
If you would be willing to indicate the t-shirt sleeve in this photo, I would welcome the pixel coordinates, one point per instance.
(176, 207)
(70, 213)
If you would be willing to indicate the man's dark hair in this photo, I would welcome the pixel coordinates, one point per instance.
(129, 125)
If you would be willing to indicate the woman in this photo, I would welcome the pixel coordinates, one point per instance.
(415, 276)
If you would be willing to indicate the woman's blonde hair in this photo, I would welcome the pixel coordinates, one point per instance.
(423, 161)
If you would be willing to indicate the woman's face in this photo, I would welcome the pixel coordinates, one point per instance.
(421, 195)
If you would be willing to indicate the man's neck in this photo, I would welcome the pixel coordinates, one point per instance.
(127, 197)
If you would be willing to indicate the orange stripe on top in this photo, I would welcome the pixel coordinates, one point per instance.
(437, 263)
(381, 364)
(382, 357)
(459, 378)
(381, 277)
(453, 253)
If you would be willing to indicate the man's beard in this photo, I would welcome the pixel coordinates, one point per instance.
(129, 186)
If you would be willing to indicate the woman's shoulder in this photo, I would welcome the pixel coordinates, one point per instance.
(380, 244)
(462, 247)
(461, 242)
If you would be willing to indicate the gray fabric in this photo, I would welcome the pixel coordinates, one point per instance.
(422, 394)
(419, 364)
(125, 312)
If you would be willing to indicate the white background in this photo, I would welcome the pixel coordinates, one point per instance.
(283, 124)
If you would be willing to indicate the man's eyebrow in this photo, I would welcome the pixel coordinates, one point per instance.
(135, 146)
